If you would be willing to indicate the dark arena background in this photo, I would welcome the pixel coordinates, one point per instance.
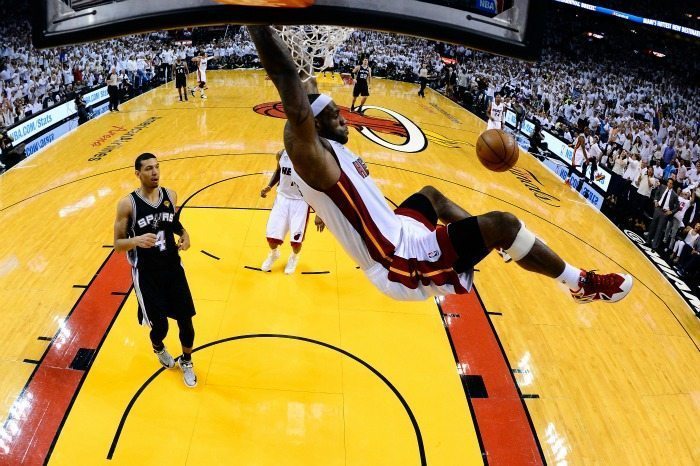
(308, 364)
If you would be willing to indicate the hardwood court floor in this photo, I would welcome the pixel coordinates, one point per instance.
(318, 368)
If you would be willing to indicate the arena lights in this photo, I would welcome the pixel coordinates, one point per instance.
(633, 18)
(595, 35)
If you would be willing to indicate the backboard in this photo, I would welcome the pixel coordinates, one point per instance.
(506, 27)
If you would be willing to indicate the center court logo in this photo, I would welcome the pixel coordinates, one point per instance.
(414, 139)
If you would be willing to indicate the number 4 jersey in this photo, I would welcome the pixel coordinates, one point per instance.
(158, 219)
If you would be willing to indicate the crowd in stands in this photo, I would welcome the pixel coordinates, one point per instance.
(642, 124)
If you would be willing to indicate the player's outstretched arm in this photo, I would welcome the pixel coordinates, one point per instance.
(274, 179)
(310, 158)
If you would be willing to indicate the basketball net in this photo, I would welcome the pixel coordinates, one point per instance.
(310, 43)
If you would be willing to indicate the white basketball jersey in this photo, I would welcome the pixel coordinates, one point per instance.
(497, 111)
(287, 187)
(355, 211)
(203, 64)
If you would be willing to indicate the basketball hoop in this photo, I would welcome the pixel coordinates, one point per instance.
(307, 43)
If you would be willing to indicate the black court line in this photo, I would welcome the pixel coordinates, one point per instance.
(120, 293)
(252, 268)
(475, 423)
(515, 382)
(557, 226)
(87, 371)
(397, 394)
(31, 361)
(494, 313)
(529, 396)
(316, 273)
(107, 246)
(44, 338)
(210, 255)
(48, 347)
(80, 286)
(130, 167)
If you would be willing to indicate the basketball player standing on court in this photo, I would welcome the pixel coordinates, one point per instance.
(363, 80)
(329, 64)
(423, 79)
(290, 213)
(404, 253)
(580, 155)
(496, 113)
(201, 61)
(180, 72)
(144, 228)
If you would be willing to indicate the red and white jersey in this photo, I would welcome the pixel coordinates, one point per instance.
(355, 203)
(202, 66)
(202, 69)
(497, 111)
(287, 187)
(403, 257)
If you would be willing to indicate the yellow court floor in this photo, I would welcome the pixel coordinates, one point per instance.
(318, 368)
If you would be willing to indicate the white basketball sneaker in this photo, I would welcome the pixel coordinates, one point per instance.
(188, 375)
(165, 358)
(291, 264)
(271, 258)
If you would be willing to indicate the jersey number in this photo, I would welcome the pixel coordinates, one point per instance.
(160, 240)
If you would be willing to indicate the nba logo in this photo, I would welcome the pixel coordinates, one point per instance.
(488, 6)
(361, 168)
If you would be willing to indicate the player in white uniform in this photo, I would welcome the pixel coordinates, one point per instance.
(580, 156)
(496, 113)
(404, 253)
(290, 213)
(201, 61)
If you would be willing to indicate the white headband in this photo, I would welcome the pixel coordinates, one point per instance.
(320, 103)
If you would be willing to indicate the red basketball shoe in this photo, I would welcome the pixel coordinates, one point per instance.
(611, 287)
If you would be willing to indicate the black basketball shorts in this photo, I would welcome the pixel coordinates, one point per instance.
(162, 292)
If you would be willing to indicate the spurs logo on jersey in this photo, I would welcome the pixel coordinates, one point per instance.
(156, 218)
(363, 73)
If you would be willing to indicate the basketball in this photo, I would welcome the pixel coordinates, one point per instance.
(497, 150)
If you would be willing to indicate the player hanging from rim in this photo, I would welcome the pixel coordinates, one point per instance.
(363, 80)
(144, 227)
(201, 61)
(180, 71)
(290, 213)
(404, 253)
